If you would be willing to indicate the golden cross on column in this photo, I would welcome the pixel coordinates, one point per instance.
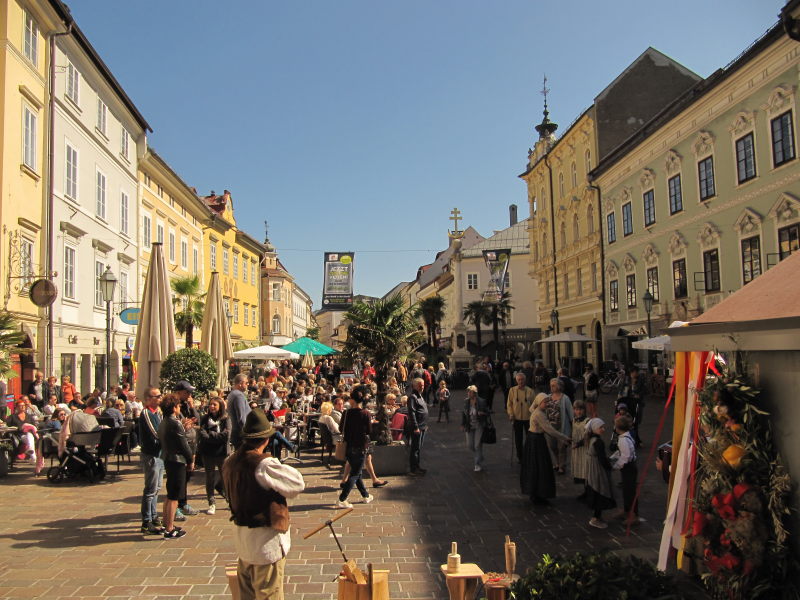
(455, 218)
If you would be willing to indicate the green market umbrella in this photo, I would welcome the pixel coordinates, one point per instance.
(304, 344)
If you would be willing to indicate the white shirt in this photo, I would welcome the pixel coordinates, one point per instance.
(626, 452)
(264, 545)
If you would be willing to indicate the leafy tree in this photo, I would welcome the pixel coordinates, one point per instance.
(313, 333)
(11, 336)
(188, 296)
(195, 366)
(499, 313)
(432, 312)
(477, 312)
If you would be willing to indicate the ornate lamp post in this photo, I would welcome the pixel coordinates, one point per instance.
(554, 322)
(107, 285)
(648, 308)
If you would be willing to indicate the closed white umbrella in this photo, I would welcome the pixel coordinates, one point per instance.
(308, 360)
(215, 336)
(155, 334)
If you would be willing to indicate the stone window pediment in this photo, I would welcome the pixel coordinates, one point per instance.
(743, 122)
(786, 209)
(647, 179)
(780, 99)
(650, 255)
(748, 222)
(629, 263)
(708, 237)
(673, 162)
(677, 244)
(612, 270)
(704, 144)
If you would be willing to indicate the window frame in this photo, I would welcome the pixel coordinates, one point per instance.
(101, 123)
(73, 85)
(225, 261)
(100, 200)
(630, 290)
(651, 195)
(30, 39)
(742, 178)
(701, 171)
(613, 295)
(235, 274)
(30, 137)
(679, 278)
(71, 175)
(68, 287)
(783, 254)
(473, 282)
(123, 288)
(711, 259)
(675, 194)
(99, 269)
(791, 136)
(212, 256)
(124, 212)
(629, 230)
(184, 254)
(611, 227)
(147, 231)
(754, 260)
(653, 287)
(171, 245)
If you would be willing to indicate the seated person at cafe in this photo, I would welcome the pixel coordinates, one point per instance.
(112, 411)
(326, 419)
(22, 439)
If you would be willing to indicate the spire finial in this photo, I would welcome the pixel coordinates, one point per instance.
(266, 230)
(544, 92)
(546, 128)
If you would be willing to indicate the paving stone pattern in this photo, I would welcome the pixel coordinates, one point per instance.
(82, 541)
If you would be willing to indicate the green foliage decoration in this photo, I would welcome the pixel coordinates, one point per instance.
(595, 576)
(195, 366)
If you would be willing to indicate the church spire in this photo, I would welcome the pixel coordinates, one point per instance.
(546, 128)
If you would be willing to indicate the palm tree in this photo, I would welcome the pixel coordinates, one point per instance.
(499, 311)
(313, 333)
(432, 312)
(11, 336)
(477, 312)
(189, 297)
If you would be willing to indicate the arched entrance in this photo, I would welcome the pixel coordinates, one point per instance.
(24, 366)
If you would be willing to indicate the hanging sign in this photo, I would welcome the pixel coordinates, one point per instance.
(497, 263)
(337, 287)
(43, 292)
(130, 316)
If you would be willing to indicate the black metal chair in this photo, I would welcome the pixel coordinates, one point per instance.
(109, 438)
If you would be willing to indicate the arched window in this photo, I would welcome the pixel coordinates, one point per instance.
(590, 218)
(574, 175)
(563, 235)
(588, 159)
(576, 228)
(276, 324)
(561, 185)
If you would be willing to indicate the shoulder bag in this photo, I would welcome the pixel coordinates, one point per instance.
(340, 453)
(489, 434)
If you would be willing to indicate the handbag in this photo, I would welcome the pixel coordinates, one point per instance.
(489, 434)
(340, 453)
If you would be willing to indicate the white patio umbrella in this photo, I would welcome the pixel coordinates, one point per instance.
(265, 353)
(155, 334)
(215, 337)
(660, 343)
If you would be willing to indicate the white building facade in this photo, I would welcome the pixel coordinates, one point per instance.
(301, 312)
(99, 136)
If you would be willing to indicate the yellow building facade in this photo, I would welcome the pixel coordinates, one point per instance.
(170, 213)
(565, 237)
(237, 257)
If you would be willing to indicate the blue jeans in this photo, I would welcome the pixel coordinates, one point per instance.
(153, 474)
(475, 445)
(416, 441)
(355, 458)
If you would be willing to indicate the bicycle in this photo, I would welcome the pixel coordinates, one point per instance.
(611, 381)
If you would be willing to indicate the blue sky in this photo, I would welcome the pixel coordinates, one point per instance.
(359, 124)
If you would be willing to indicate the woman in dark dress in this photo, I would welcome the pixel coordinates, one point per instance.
(536, 476)
(598, 473)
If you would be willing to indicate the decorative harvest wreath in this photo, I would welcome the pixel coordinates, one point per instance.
(739, 522)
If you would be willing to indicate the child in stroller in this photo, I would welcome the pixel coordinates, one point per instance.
(78, 461)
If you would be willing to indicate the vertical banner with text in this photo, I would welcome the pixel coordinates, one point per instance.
(497, 263)
(337, 288)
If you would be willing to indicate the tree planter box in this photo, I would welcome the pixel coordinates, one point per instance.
(391, 460)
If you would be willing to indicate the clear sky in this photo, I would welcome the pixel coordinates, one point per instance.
(359, 124)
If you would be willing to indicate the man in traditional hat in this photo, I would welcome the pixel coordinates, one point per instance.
(257, 487)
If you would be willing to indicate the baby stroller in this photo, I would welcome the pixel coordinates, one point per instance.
(78, 460)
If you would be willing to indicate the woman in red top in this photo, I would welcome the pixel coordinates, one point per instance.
(68, 390)
(367, 372)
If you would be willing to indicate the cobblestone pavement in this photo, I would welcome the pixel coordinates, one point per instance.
(71, 541)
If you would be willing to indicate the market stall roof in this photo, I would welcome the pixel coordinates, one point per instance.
(565, 337)
(265, 353)
(304, 344)
(660, 343)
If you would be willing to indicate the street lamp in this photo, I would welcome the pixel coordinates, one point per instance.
(229, 316)
(554, 321)
(107, 284)
(648, 308)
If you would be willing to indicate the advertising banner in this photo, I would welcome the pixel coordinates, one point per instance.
(497, 263)
(337, 287)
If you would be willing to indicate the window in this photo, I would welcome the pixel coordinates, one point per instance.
(563, 235)
(213, 256)
(705, 174)
(147, 231)
(147, 180)
(73, 83)
(561, 185)
(675, 195)
(159, 190)
(574, 169)
(649, 198)
(31, 42)
(578, 283)
(246, 309)
(630, 290)
(26, 262)
(782, 139)
(590, 219)
(612, 228)
(507, 281)
(276, 292)
(547, 291)
(788, 240)
(126, 137)
(235, 311)
(71, 173)
(745, 158)
(253, 316)
(235, 265)
(576, 228)
(680, 287)
(123, 212)
(253, 273)
(123, 288)
(184, 254)
(472, 281)
(613, 295)
(172, 246)
(711, 270)
(69, 272)
(594, 277)
(102, 116)
(244, 269)
(98, 293)
(566, 286)
(159, 233)
(29, 125)
(100, 195)
(652, 282)
(225, 265)
(195, 261)
(751, 259)
(588, 160)
(276, 324)
(627, 219)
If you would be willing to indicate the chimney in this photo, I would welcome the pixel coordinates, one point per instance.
(512, 215)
